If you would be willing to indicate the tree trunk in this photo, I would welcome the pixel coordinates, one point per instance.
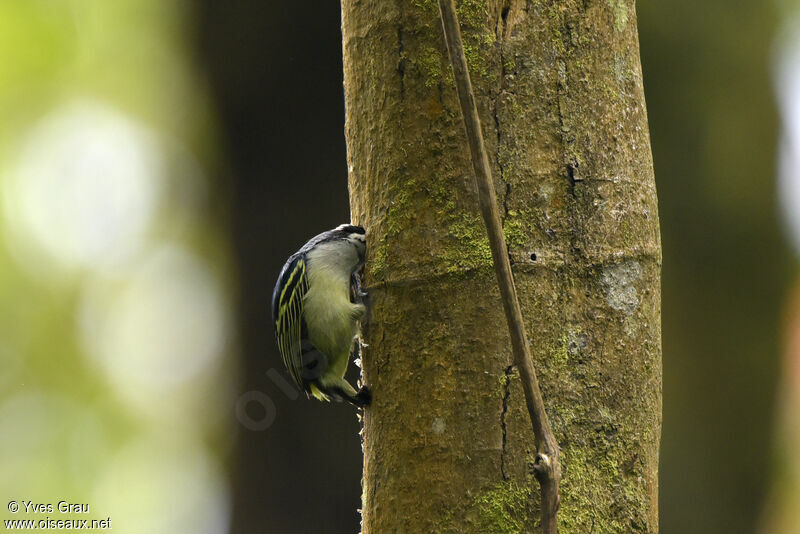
(447, 440)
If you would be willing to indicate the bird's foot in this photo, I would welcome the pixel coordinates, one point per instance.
(363, 398)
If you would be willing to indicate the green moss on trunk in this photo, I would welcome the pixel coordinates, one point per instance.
(447, 441)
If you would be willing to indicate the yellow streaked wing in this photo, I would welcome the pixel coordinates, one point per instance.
(289, 316)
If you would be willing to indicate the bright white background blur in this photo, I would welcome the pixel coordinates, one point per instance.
(782, 512)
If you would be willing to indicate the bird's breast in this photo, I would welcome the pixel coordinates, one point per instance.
(327, 311)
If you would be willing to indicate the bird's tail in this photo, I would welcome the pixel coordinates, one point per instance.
(318, 394)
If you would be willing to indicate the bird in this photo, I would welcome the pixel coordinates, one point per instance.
(317, 307)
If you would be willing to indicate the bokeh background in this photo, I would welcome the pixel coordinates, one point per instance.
(159, 159)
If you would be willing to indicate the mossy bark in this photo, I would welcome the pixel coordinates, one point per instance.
(447, 441)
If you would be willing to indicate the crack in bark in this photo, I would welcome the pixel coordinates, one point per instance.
(568, 139)
(502, 174)
(500, 35)
(572, 167)
(501, 27)
(401, 61)
(591, 257)
(506, 396)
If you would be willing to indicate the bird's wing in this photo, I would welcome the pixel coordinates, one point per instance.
(287, 312)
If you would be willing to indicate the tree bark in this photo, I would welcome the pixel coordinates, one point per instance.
(447, 441)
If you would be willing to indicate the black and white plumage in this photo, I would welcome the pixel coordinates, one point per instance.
(316, 309)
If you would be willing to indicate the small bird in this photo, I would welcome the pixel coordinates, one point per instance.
(317, 304)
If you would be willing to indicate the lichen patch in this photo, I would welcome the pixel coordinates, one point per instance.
(620, 9)
(619, 280)
(439, 425)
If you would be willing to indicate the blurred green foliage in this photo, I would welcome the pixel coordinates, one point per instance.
(713, 123)
(116, 340)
